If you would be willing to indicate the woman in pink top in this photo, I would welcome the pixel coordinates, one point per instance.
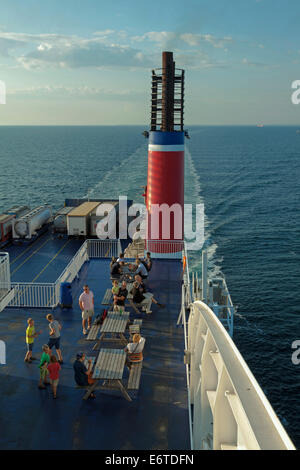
(54, 369)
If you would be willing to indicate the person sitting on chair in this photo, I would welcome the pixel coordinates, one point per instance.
(134, 350)
(120, 297)
(82, 374)
(141, 269)
(147, 295)
(115, 270)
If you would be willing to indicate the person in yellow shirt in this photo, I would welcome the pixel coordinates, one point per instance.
(31, 334)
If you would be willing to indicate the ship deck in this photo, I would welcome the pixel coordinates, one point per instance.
(43, 260)
(157, 418)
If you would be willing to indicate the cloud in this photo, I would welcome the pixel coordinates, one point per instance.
(72, 51)
(173, 39)
(12, 41)
(109, 49)
(84, 92)
(85, 53)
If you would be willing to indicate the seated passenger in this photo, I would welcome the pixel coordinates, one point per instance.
(137, 293)
(115, 287)
(141, 269)
(135, 350)
(147, 295)
(115, 270)
(139, 280)
(82, 374)
(120, 297)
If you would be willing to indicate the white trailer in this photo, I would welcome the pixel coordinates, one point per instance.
(78, 219)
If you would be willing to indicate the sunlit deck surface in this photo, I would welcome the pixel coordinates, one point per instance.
(157, 418)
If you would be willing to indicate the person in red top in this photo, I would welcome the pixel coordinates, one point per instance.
(54, 369)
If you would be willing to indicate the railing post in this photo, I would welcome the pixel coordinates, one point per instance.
(204, 276)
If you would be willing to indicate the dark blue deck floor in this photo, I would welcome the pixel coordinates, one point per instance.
(157, 418)
(42, 261)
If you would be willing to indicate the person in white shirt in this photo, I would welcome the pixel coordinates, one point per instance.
(135, 350)
(86, 304)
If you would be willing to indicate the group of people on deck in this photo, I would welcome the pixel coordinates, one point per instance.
(50, 365)
(139, 273)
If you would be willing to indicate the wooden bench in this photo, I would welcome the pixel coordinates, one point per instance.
(108, 369)
(135, 327)
(107, 299)
(135, 376)
(93, 332)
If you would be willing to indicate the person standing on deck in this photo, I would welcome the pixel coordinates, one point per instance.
(86, 304)
(43, 366)
(53, 369)
(54, 339)
(31, 334)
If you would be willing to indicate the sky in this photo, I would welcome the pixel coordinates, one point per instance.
(89, 62)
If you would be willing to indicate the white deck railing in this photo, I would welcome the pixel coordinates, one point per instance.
(6, 290)
(76, 263)
(5, 284)
(230, 411)
(166, 249)
(103, 248)
(46, 295)
(35, 295)
(204, 290)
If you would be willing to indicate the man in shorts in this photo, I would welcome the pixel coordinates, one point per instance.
(54, 336)
(86, 304)
(31, 334)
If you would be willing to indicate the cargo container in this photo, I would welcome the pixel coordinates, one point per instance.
(60, 219)
(6, 221)
(27, 226)
(78, 219)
